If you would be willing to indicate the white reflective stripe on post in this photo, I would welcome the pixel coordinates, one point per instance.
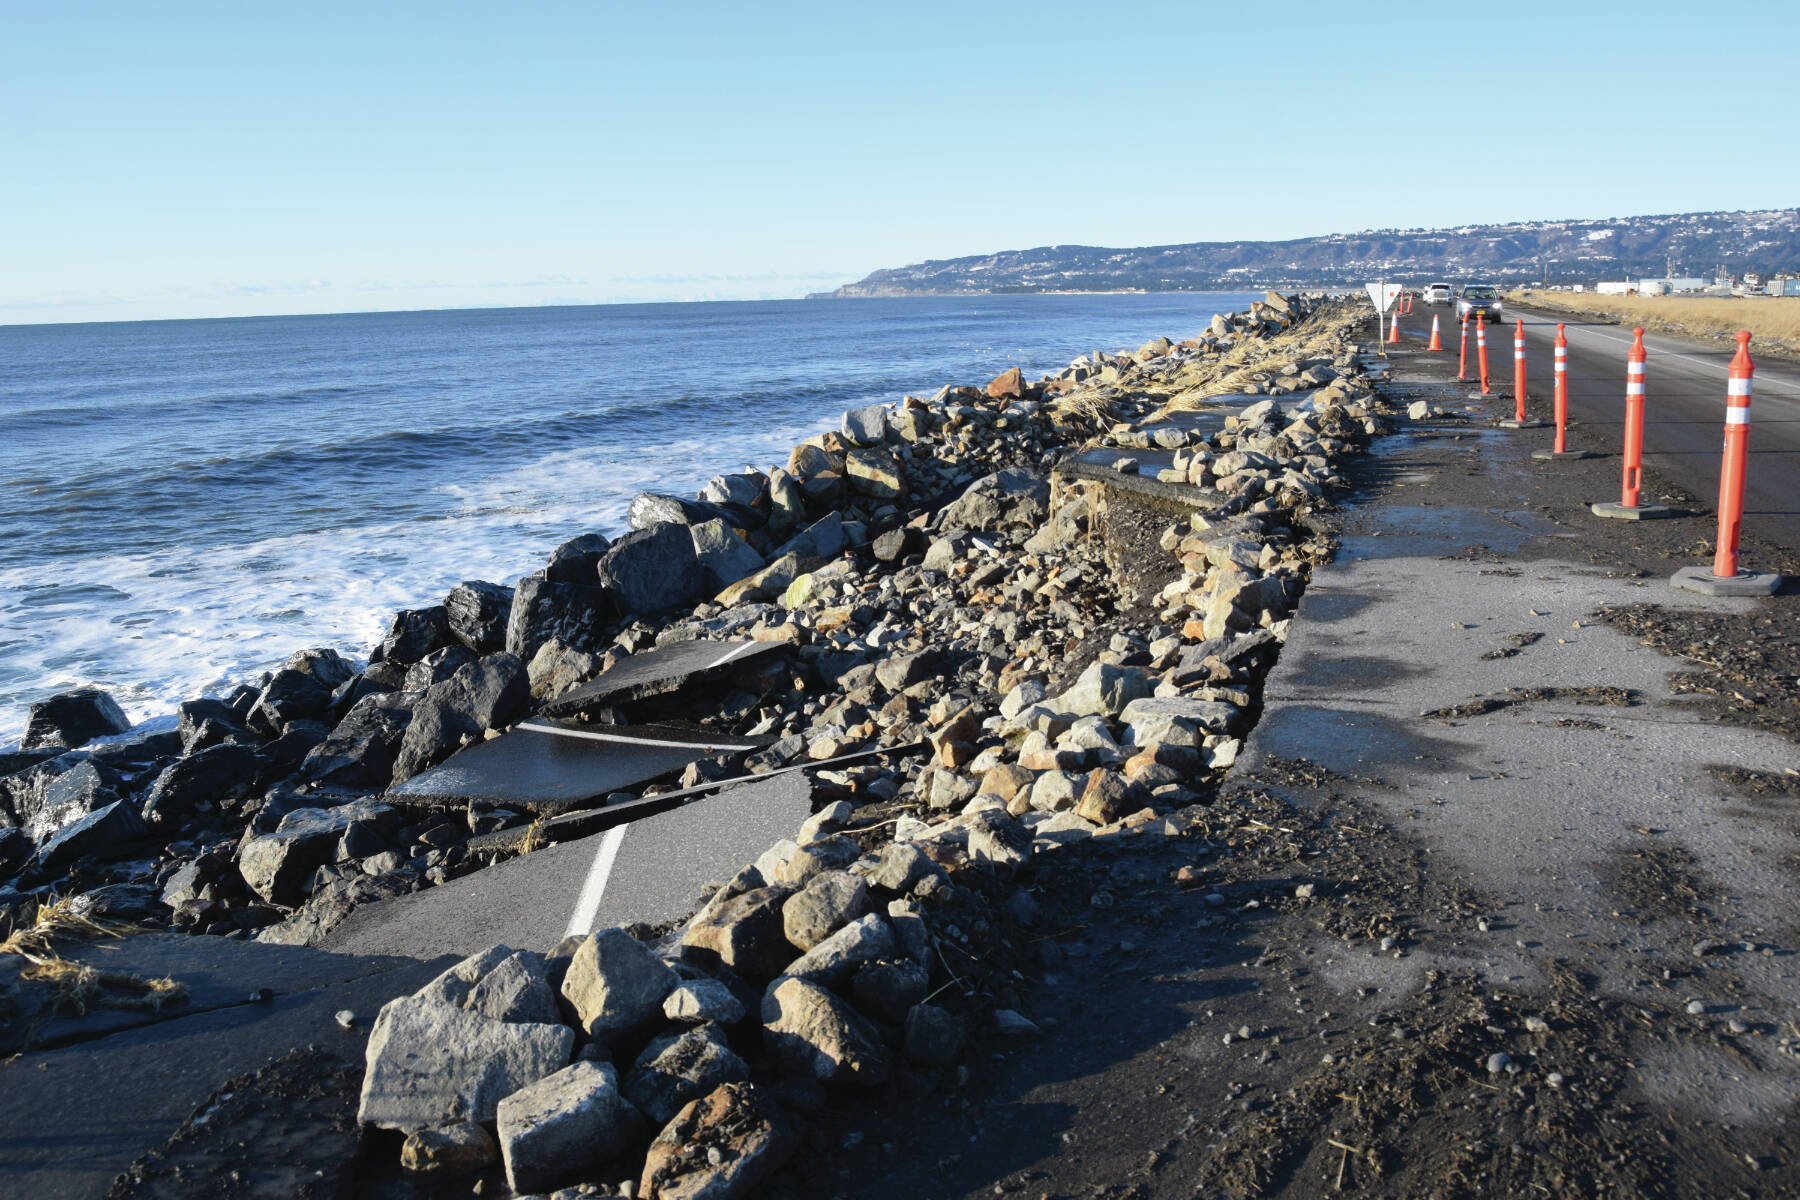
(1737, 416)
(1635, 388)
(1518, 354)
(1738, 387)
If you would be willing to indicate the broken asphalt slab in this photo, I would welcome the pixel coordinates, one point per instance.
(551, 767)
(650, 871)
(71, 1121)
(660, 671)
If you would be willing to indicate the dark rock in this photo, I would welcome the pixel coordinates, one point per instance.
(745, 934)
(291, 695)
(277, 866)
(888, 990)
(360, 751)
(193, 715)
(652, 570)
(414, 633)
(15, 847)
(574, 561)
(746, 1138)
(824, 538)
(116, 902)
(103, 833)
(190, 879)
(201, 782)
(476, 612)
(895, 544)
(14, 761)
(650, 509)
(210, 733)
(18, 911)
(573, 613)
(329, 905)
(283, 755)
(73, 718)
(934, 1037)
(1005, 499)
(681, 1067)
(484, 695)
(437, 666)
(814, 1033)
(84, 787)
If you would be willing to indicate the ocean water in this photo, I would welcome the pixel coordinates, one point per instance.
(185, 503)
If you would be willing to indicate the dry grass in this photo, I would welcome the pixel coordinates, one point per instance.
(1773, 322)
(76, 988)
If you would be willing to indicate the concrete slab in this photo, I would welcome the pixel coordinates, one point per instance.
(552, 766)
(1743, 585)
(77, 1116)
(661, 671)
(651, 870)
(1615, 511)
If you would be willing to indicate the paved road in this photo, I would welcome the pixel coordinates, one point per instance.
(1684, 409)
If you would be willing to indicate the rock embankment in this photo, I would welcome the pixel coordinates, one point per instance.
(945, 571)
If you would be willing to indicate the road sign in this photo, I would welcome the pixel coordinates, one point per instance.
(1383, 294)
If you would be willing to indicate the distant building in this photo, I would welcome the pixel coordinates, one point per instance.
(1621, 288)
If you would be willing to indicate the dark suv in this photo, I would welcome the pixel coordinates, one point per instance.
(1481, 300)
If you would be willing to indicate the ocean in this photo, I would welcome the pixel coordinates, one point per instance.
(185, 503)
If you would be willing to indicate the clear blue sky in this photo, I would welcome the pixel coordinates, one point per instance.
(184, 159)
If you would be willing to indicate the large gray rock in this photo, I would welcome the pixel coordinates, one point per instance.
(1005, 499)
(745, 1134)
(616, 985)
(109, 832)
(290, 695)
(824, 538)
(677, 1068)
(825, 905)
(650, 509)
(476, 612)
(557, 668)
(430, 1063)
(702, 1000)
(832, 960)
(564, 1124)
(999, 840)
(739, 491)
(723, 556)
(888, 989)
(902, 867)
(200, 781)
(574, 561)
(652, 570)
(278, 866)
(814, 1033)
(1105, 689)
(1177, 720)
(360, 751)
(72, 718)
(483, 695)
(576, 613)
(866, 426)
(515, 990)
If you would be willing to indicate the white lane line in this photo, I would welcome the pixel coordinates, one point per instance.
(734, 652)
(588, 905)
(595, 736)
(1711, 367)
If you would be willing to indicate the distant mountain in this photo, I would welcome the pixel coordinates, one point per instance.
(1681, 244)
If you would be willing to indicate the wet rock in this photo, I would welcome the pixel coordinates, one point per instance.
(934, 1036)
(72, 718)
(719, 1147)
(574, 613)
(16, 847)
(290, 695)
(47, 797)
(833, 960)
(483, 695)
(108, 832)
(436, 667)
(826, 904)
(224, 720)
(564, 1124)
(476, 613)
(814, 1033)
(414, 633)
(575, 560)
(116, 902)
(200, 782)
(745, 933)
(702, 1000)
(449, 1151)
(360, 750)
(679, 1068)
(616, 985)
(652, 570)
(824, 538)
(723, 556)
(557, 668)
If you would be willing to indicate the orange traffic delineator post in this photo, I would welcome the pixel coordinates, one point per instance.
(1462, 354)
(1481, 349)
(1437, 340)
(1519, 420)
(1562, 398)
(1632, 483)
(1727, 578)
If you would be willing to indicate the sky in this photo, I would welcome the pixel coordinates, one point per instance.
(187, 159)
